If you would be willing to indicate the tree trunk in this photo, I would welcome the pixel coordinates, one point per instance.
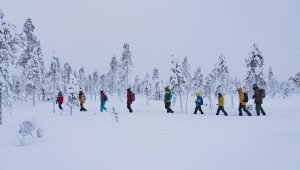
(33, 98)
(180, 98)
(186, 102)
(71, 110)
(232, 102)
(0, 103)
(210, 102)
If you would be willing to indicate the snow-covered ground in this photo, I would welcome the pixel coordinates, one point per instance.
(150, 139)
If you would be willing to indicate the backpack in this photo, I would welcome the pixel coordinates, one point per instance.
(199, 101)
(262, 93)
(105, 98)
(246, 98)
(133, 96)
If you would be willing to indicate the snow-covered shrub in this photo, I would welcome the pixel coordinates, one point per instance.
(28, 130)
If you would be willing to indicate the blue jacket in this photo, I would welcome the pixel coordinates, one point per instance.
(103, 98)
(199, 101)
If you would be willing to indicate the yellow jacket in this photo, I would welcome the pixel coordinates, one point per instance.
(221, 101)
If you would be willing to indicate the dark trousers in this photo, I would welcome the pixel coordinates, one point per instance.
(60, 107)
(259, 109)
(167, 106)
(129, 108)
(221, 108)
(82, 108)
(243, 107)
(198, 108)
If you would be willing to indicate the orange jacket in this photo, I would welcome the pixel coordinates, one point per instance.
(241, 96)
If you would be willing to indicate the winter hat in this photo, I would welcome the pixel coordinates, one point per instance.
(219, 94)
(240, 90)
(254, 86)
(198, 94)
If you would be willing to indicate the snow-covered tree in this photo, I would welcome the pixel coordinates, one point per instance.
(272, 84)
(177, 79)
(137, 85)
(73, 89)
(31, 59)
(155, 84)
(113, 75)
(296, 79)
(197, 81)
(187, 79)
(209, 88)
(147, 87)
(82, 79)
(254, 64)
(54, 76)
(125, 65)
(95, 84)
(223, 79)
(66, 76)
(8, 49)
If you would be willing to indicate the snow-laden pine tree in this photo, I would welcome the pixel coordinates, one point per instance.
(66, 76)
(187, 79)
(155, 84)
(31, 60)
(95, 84)
(272, 84)
(209, 87)
(296, 80)
(125, 65)
(223, 79)
(103, 82)
(54, 79)
(147, 87)
(137, 85)
(8, 49)
(90, 86)
(82, 79)
(197, 85)
(254, 64)
(113, 75)
(72, 92)
(177, 80)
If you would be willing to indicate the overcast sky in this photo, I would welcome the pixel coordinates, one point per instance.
(89, 32)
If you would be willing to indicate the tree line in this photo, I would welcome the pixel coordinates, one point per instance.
(25, 77)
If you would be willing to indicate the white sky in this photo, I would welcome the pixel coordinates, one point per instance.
(89, 32)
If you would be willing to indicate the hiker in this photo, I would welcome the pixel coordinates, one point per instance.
(199, 103)
(103, 99)
(60, 100)
(130, 99)
(81, 100)
(221, 105)
(167, 100)
(243, 99)
(258, 96)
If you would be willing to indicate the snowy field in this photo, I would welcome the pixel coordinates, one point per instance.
(150, 139)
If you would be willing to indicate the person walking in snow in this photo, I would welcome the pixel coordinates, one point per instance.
(199, 103)
(167, 100)
(81, 100)
(221, 104)
(130, 99)
(242, 102)
(103, 99)
(258, 96)
(60, 100)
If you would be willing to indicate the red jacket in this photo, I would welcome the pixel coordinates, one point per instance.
(60, 99)
(129, 97)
